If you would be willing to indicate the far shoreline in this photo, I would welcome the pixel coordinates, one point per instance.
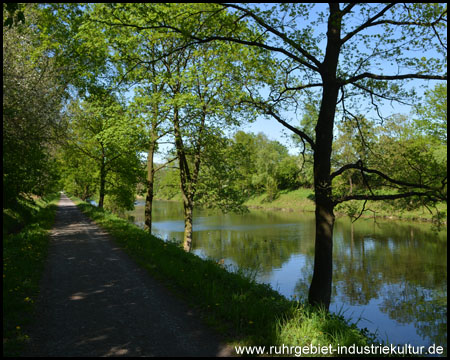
(309, 209)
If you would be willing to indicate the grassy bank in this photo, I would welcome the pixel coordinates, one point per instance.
(25, 243)
(295, 200)
(247, 313)
(302, 200)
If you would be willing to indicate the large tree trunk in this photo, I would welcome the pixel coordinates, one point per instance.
(320, 289)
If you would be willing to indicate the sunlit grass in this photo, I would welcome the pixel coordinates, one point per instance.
(24, 254)
(303, 200)
(295, 200)
(317, 327)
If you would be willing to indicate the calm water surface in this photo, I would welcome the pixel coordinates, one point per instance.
(392, 276)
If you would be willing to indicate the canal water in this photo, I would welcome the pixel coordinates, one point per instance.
(389, 276)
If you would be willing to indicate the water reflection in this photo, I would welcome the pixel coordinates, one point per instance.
(392, 275)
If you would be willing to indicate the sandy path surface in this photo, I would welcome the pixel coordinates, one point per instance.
(95, 301)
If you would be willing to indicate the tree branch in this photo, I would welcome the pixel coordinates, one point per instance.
(359, 166)
(385, 197)
(367, 75)
(372, 22)
(293, 129)
(198, 40)
(165, 164)
(385, 97)
(268, 111)
(348, 8)
(301, 87)
(411, 23)
(281, 35)
(367, 24)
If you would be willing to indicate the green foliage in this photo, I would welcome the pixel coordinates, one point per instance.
(199, 88)
(122, 183)
(238, 168)
(33, 91)
(219, 184)
(410, 155)
(288, 173)
(433, 115)
(24, 255)
(102, 154)
(77, 173)
(167, 183)
(66, 35)
(267, 166)
(15, 14)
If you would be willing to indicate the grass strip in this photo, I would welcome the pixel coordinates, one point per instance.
(25, 245)
(246, 312)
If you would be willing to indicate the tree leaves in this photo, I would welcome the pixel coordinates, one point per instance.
(15, 14)
(33, 91)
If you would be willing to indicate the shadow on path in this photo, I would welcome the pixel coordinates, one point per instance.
(95, 301)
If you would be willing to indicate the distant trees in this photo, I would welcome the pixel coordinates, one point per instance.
(268, 166)
(252, 162)
(432, 114)
(104, 139)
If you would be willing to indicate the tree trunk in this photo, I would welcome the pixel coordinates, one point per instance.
(185, 183)
(102, 184)
(320, 289)
(150, 183)
(187, 240)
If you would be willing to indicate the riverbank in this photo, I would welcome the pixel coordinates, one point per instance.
(245, 312)
(302, 200)
(25, 243)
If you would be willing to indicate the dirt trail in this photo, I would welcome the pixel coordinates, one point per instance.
(95, 301)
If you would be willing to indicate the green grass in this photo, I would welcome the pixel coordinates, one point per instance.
(295, 200)
(302, 200)
(246, 312)
(25, 243)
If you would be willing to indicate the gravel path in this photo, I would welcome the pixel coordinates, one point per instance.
(95, 301)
